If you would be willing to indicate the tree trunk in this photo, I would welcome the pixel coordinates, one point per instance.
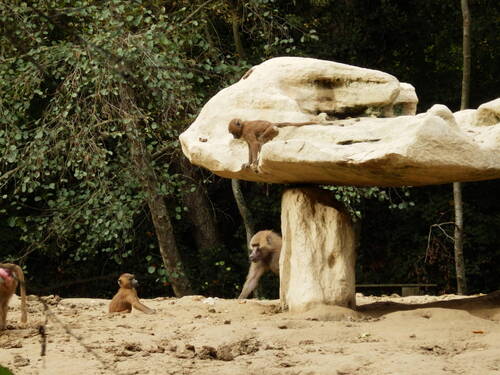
(457, 187)
(235, 21)
(199, 211)
(466, 55)
(318, 255)
(245, 213)
(459, 254)
(159, 213)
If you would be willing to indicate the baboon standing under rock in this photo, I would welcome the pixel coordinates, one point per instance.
(265, 256)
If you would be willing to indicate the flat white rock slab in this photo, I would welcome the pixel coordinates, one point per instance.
(359, 146)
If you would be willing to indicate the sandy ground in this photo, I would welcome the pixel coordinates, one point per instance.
(197, 335)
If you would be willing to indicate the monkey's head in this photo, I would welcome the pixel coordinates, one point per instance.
(261, 245)
(127, 281)
(235, 127)
(7, 276)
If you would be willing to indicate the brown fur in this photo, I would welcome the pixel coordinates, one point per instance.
(11, 276)
(126, 297)
(256, 133)
(265, 256)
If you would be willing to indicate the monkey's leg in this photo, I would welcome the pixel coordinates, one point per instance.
(139, 306)
(3, 313)
(247, 164)
(271, 132)
(122, 311)
(254, 274)
(266, 136)
(22, 287)
(254, 152)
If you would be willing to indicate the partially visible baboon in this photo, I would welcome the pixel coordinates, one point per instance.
(258, 132)
(265, 256)
(126, 297)
(11, 275)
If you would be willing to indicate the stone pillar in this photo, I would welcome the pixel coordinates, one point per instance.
(318, 256)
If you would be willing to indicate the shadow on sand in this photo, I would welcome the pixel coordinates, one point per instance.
(486, 307)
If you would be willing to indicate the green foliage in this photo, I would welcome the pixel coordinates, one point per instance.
(68, 175)
(5, 371)
(270, 32)
(353, 197)
(219, 271)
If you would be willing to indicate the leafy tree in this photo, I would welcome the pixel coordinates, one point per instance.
(93, 93)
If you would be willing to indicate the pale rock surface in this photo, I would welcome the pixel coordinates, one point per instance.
(405, 103)
(318, 257)
(488, 113)
(356, 147)
(482, 125)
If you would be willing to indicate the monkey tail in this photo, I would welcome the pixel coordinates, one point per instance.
(284, 124)
(22, 287)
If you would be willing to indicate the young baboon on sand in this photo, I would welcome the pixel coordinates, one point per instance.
(126, 297)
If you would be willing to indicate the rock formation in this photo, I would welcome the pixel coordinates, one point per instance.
(367, 134)
(360, 145)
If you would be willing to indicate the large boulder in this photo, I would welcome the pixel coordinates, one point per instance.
(357, 140)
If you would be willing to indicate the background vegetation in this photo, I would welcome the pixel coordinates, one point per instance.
(94, 95)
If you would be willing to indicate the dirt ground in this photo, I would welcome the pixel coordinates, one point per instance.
(197, 335)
